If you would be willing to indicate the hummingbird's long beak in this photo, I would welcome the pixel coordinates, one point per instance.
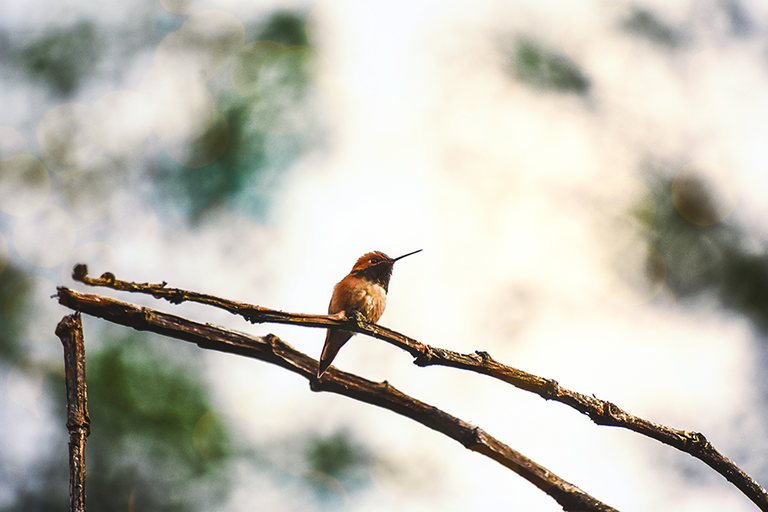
(404, 255)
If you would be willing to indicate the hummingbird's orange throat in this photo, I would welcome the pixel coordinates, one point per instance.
(376, 267)
(364, 290)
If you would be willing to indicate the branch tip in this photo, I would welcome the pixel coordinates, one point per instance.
(67, 324)
(80, 272)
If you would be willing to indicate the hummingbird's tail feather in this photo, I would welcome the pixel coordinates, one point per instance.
(334, 340)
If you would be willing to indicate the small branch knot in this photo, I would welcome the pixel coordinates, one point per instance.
(695, 441)
(484, 356)
(612, 412)
(472, 438)
(175, 297)
(107, 277)
(272, 341)
(82, 426)
(424, 358)
(551, 389)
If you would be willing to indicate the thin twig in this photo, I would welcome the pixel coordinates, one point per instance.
(271, 349)
(70, 331)
(599, 411)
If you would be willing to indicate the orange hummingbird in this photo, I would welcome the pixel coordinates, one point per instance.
(363, 290)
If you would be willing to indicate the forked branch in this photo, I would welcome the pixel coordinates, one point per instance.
(271, 349)
(599, 411)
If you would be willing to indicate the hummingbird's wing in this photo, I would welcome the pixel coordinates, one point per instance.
(334, 340)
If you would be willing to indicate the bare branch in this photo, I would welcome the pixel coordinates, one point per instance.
(70, 331)
(599, 411)
(271, 349)
(254, 314)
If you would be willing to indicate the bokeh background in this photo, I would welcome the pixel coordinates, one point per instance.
(588, 180)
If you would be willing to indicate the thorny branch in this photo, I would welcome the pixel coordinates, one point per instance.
(599, 411)
(272, 349)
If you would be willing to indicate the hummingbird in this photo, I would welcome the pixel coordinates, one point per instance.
(363, 290)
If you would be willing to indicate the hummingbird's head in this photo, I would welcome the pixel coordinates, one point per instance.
(377, 267)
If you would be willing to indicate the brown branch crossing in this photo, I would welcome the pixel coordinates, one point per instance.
(70, 331)
(271, 349)
(599, 411)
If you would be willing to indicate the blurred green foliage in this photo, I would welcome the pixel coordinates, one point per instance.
(645, 24)
(547, 70)
(720, 261)
(339, 465)
(194, 192)
(155, 439)
(10, 346)
(269, 120)
(286, 28)
(63, 57)
(339, 456)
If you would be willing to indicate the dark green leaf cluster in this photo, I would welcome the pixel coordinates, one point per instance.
(156, 440)
(720, 260)
(548, 70)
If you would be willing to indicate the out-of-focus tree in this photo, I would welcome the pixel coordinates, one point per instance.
(704, 253)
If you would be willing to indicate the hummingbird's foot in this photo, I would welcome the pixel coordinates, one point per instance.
(339, 316)
(356, 316)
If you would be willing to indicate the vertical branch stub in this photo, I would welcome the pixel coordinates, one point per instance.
(70, 332)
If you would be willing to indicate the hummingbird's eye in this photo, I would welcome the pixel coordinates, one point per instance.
(374, 260)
